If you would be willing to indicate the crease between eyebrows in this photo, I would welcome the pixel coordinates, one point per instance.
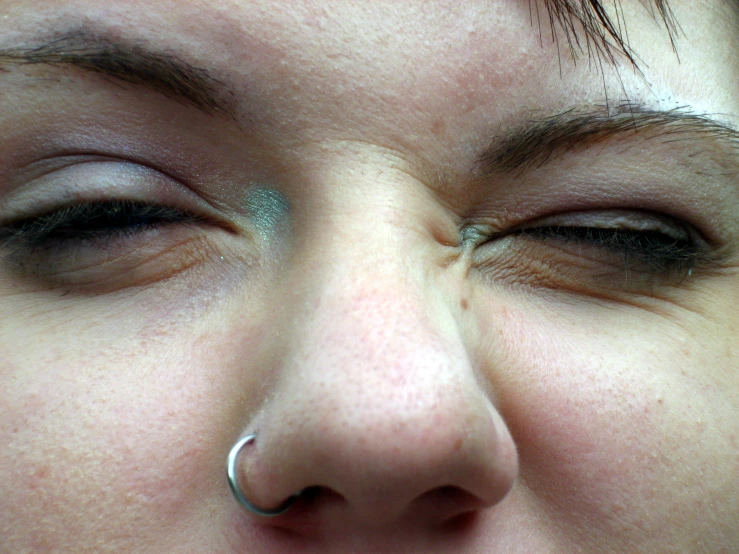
(543, 140)
(163, 72)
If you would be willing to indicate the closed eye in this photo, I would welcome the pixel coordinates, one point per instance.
(91, 224)
(659, 251)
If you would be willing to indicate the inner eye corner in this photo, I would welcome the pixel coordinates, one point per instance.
(470, 235)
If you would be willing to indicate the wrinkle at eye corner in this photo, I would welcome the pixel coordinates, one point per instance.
(267, 208)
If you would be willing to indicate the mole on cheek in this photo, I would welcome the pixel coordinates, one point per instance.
(267, 208)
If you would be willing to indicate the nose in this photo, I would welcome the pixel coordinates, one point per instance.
(376, 411)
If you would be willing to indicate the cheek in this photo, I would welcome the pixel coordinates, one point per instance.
(135, 430)
(94, 456)
(604, 432)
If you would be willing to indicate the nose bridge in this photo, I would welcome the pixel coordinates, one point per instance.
(375, 332)
(374, 290)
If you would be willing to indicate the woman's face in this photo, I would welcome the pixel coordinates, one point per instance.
(473, 295)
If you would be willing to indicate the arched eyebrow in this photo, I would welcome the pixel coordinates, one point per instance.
(161, 71)
(545, 139)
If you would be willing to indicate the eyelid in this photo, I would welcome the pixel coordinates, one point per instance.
(115, 257)
(596, 250)
(67, 223)
(626, 220)
(656, 238)
(87, 179)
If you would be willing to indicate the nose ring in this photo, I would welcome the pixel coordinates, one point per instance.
(236, 490)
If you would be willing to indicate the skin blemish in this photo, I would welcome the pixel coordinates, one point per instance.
(38, 476)
(267, 208)
(464, 303)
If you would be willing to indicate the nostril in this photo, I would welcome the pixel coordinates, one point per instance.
(461, 523)
(448, 493)
(304, 519)
(447, 505)
(451, 497)
(308, 505)
(449, 509)
(311, 496)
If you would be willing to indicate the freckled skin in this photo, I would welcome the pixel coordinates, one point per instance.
(430, 391)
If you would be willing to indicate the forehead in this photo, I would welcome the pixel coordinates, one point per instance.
(418, 66)
(387, 41)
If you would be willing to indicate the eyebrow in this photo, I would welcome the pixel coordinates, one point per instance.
(544, 140)
(163, 72)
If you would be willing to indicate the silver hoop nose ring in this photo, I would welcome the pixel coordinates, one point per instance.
(236, 490)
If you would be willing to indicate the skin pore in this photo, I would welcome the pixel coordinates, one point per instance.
(473, 293)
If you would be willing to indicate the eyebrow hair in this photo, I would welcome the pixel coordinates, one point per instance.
(541, 141)
(163, 72)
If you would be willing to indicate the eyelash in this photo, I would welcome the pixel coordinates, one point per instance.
(97, 222)
(655, 251)
(100, 224)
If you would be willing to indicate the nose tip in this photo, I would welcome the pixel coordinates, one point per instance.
(428, 467)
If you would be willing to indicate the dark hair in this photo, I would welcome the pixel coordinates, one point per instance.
(590, 31)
